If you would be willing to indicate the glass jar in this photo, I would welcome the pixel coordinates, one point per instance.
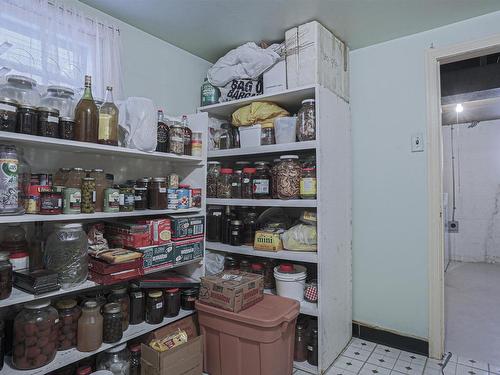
(60, 97)
(288, 175)
(5, 275)
(258, 268)
(88, 195)
(214, 224)
(213, 173)
(187, 136)
(196, 144)
(308, 187)
(111, 200)
(306, 121)
(67, 128)
(112, 330)
(115, 360)
(66, 254)
(22, 89)
(269, 281)
(209, 94)
(312, 347)
(141, 194)
(158, 194)
(23, 180)
(154, 307)
(188, 299)
(8, 114)
(300, 346)
(236, 229)
(9, 194)
(246, 183)
(35, 336)
(245, 266)
(69, 313)
(173, 181)
(51, 200)
(90, 327)
(267, 135)
(231, 263)
(236, 181)
(311, 291)
(261, 182)
(100, 185)
(127, 198)
(75, 177)
(48, 122)
(176, 139)
(137, 304)
(224, 183)
(226, 140)
(27, 119)
(72, 201)
(172, 302)
(14, 239)
(135, 359)
(249, 228)
(274, 178)
(119, 294)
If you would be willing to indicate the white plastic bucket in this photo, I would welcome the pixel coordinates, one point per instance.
(291, 284)
(285, 129)
(250, 135)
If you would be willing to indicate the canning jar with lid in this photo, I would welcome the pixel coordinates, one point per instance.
(249, 228)
(5, 275)
(246, 183)
(90, 324)
(141, 193)
(69, 313)
(60, 97)
(224, 183)
(137, 304)
(112, 326)
(115, 360)
(267, 135)
(127, 198)
(67, 128)
(261, 182)
(288, 174)
(119, 294)
(22, 89)
(8, 114)
(48, 122)
(212, 177)
(176, 139)
(100, 185)
(236, 181)
(158, 194)
(308, 188)
(35, 336)
(88, 195)
(154, 307)
(172, 302)
(306, 121)
(188, 299)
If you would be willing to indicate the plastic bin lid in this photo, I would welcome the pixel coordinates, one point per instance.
(270, 312)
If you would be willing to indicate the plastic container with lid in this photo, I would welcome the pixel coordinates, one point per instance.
(306, 121)
(290, 280)
(224, 183)
(5, 275)
(69, 313)
(212, 177)
(257, 341)
(22, 89)
(60, 97)
(112, 330)
(20, 260)
(288, 175)
(8, 114)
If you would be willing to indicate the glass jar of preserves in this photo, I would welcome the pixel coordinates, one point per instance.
(119, 294)
(267, 135)
(75, 177)
(246, 183)
(112, 330)
(69, 313)
(5, 275)
(141, 194)
(288, 174)
(127, 198)
(196, 144)
(27, 119)
(22, 89)
(111, 200)
(172, 302)
(213, 173)
(9, 184)
(188, 299)
(236, 181)
(176, 139)
(48, 122)
(51, 200)
(306, 121)
(88, 195)
(67, 128)
(154, 307)
(90, 327)
(60, 97)
(158, 194)
(35, 336)
(66, 254)
(224, 183)
(8, 114)
(115, 360)
(308, 188)
(137, 304)
(261, 182)
(100, 185)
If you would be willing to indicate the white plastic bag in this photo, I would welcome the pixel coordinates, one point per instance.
(138, 122)
(301, 237)
(214, 263)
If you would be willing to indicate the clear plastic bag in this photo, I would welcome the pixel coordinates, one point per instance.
(300, 237)
(138, 124)
(214, 263)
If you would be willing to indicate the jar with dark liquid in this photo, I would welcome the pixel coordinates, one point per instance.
(27, 119)
(119, 294)
(48, 122)
(154, 307)
(300, 347)
(137, 304)
(5, 275)
(158, 194)
(141, 194)
(172, 302)
(188, 299)
(66, 128)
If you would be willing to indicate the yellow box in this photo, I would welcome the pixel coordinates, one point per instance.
(266, 240)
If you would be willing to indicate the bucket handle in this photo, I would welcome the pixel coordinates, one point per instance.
(284, 327)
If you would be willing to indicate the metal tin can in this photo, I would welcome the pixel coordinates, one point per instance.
(172, 201)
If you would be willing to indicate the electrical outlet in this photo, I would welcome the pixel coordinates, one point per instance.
(453, 226)
(417, 142)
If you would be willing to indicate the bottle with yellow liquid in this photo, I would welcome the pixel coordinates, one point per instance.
(108, 120)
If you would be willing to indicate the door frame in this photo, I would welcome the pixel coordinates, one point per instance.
(435, 225)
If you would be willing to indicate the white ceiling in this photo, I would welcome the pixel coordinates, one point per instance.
(209, 28)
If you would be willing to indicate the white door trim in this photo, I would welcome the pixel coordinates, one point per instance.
(435, 230)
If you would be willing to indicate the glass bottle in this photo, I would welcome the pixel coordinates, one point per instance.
(161, 133)
(236, 180)
(300, 347)
(226, 225)
(108, 120)
(209, 94)
(312, 347)
(90, 324)
(187, 135)
(87, 116)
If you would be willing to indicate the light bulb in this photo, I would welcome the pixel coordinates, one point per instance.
(459, 108)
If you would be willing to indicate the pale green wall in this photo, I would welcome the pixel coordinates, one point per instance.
(388, 104)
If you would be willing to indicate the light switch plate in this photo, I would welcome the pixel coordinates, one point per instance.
(417, 142)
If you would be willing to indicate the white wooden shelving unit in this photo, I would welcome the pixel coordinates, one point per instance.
(47, 155)
(332, 149)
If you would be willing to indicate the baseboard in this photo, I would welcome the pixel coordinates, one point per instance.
(395, 340)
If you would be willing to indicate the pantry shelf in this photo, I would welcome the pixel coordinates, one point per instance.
(67, 357)
(289, 99)
(56, 144)
(263, 202)
(305, 366)
(30, 218)
(306, 308)
(263, 150)
(171, 266)
(297, 256)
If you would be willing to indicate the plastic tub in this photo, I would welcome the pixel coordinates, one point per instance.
(250, 135)
(290, 281)
(285, 129)
(255, 341)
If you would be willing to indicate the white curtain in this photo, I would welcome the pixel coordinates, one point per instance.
(58, 45)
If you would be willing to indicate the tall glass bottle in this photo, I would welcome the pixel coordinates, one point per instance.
(87, 116)
(187, 135)
(162, 133)
(108, 120)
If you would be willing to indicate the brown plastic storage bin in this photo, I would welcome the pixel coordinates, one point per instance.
(255, 341)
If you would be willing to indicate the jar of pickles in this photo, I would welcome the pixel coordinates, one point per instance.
(224, 183)
(100, 185)
(127, 198)
(48, 122)
(5, 275)
(119, 294)
(88, 195)
(306, 121)
(158, 194)
(112, 323)
(288, 174)
(176, 139)
(69, 313)
(212, 177)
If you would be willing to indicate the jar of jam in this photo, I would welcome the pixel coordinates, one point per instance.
(88, 195)
(90, 327)
(154, 307)
(158, 194)
(127, 198)
(261, 182)
(119, 294)
(141, 194)
(67, 128)
(8, 114)
(27, 119)
(137, 307)
(51, 200)
(246, 183)
(48, 122)
(69, 313)
(188, 299)
(72, 200)
(112, 326)
(111, 200)
(100, 185)
(5, 275)
(172, 302)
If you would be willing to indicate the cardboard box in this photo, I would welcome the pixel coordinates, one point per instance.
(157, 256)
(187, 226)
(100, 266)
(128, 235)
(267, 240)
(160, 230)
(188, 249)
(116, 277)
(275, 78)
(188, 324)
(232, 290)
(315, 56)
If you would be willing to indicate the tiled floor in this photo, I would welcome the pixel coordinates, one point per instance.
(366, 358)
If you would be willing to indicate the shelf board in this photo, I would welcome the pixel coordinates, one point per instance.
(169, 267)
(289, 99)
(263, 202)
(262, 150)
(57, 144)
(306, 367)
(306, 308)
(67, 357)
(297, 256)
(29, 218)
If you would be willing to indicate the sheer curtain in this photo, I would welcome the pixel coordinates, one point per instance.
(58, 45)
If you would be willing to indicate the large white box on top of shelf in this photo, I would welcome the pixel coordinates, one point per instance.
(275, 78)
(315, 56)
